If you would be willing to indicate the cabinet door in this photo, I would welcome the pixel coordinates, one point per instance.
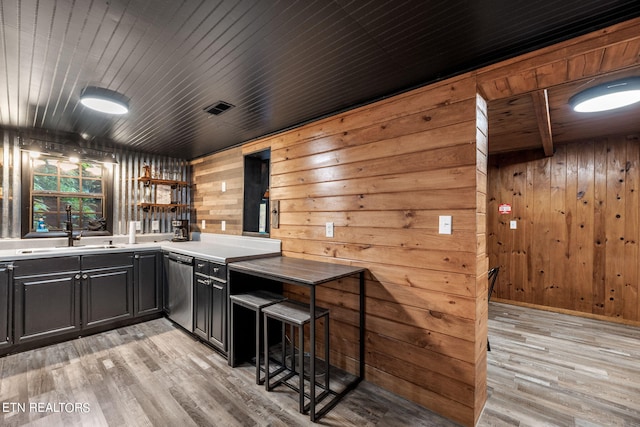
(107, 295)
(46, 305)
(6, 338)
(202, 306)
(147, 285)
(217, 333)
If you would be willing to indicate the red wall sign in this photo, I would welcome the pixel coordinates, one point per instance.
(504, 208)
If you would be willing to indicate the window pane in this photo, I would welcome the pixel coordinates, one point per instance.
(70, 185)
(91, 170)
(49, 166)
(68, 168)
(73, 201)
(54, 176)
(92, 186)
(91, 206)
(45, 183)
(44, 204)
(89, 217)
(52, 221)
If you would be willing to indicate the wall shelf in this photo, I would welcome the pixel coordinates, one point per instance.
(151, 185)
(155, 181)
(171, 206)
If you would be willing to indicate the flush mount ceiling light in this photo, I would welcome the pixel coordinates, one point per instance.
(607, 96)
(104, 100)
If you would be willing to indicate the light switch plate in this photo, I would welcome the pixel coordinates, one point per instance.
(138, 226)
(155, 225)
(223, 225)
(513, 225)
(329, 229)
(444, 226)
(224, 186)
(203, 224)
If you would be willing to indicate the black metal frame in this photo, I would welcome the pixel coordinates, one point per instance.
(257, 310)
(292, 372)
(337, 396)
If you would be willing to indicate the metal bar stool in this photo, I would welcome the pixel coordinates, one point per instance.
(296, 315)
(255, 301)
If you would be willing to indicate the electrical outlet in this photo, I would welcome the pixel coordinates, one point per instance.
(203, 224)
(513, 225)
(223, 225)
(444, 224)
(155, 225)
(224, 186)
(328, 229)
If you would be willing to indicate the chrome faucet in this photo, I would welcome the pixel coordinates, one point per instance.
(69, 227)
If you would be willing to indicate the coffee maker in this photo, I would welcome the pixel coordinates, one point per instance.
(180, 230)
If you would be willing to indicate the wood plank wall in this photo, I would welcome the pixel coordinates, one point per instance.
(482, 263)
(210, 203)
(576, 245)
(383, 174)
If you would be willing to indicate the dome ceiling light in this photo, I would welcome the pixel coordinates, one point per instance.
(607, 96)
(104, 100)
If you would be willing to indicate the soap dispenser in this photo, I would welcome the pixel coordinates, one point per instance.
(42, 227)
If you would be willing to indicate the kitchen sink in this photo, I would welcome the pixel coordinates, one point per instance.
(65, 248)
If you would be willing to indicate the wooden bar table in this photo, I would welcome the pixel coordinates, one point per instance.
(301, 272)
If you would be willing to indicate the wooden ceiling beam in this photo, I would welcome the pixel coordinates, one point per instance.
(541, 107)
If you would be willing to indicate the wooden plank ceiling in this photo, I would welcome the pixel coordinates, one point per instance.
(514, 124)
(279, 63)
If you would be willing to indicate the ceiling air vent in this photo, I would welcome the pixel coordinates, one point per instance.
(218, 108)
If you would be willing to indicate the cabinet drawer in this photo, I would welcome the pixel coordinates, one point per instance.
(219, 271)
(211, 269)
(38, 266)
(202, 267)
(117, 259)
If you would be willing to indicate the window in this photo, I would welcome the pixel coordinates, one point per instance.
(255, 212)
(56, 183)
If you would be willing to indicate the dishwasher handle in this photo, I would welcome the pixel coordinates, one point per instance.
(181, 259)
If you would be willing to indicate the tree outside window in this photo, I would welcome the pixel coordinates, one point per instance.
(57, 183)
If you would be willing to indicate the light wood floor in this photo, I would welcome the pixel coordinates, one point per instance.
(544, 369)
(153, 374)
(549, 369)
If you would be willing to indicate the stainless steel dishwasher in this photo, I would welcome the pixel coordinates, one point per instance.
(179, 289)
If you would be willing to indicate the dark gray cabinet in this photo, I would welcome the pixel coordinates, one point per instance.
(210, 305)
(6, 314)
(201, 305)
(46, 298)
(217, 332)
(147, 283)
(64, 296)
(107, 288)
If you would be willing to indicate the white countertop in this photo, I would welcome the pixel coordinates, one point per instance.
(213, 247)
(225, 251)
